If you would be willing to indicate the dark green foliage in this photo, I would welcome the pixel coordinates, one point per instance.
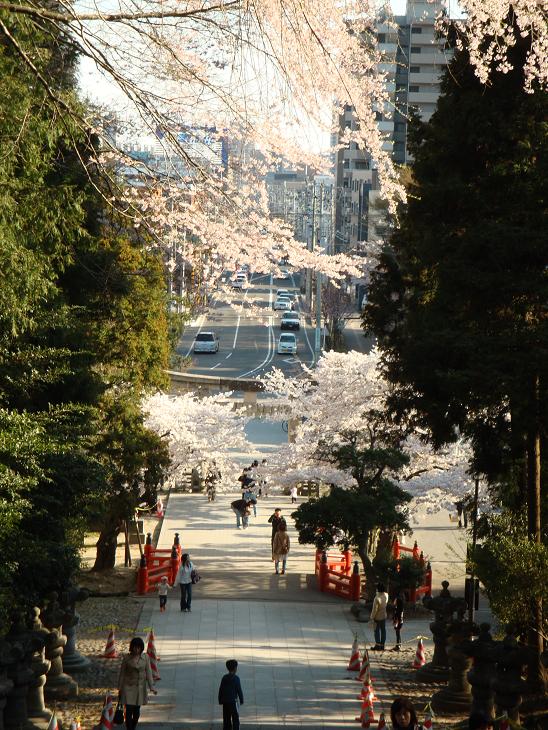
(353, 517)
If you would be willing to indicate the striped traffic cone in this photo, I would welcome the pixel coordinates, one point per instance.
(53, 723)
(354, 663)
(110, 648)
(153, 657)
(107, 715)
(75, 725)
(365, 666)
(367, 688)
(367, 716)
(427, 724)
(420, 659)
(382, 722)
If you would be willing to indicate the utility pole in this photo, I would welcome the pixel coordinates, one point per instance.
(311, 241)
(318, 332)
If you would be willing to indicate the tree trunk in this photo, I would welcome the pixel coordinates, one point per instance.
(105, 558)
(536, 673)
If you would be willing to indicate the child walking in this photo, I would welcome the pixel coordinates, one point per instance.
(163, 588)
(230, 692)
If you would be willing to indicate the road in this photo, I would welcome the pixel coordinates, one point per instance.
(248, 340)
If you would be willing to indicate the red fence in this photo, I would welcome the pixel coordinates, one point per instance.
(425, 589)
(155, 563)
(336, 575)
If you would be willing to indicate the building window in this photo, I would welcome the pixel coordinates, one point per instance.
(361, 165)
(415, 69)
(399, 127)
(413, 89)
(415, 49)
(381, 37)
(416, 30)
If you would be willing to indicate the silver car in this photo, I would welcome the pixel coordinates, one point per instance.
(206, 342)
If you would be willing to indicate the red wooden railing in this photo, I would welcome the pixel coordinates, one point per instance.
(425, 589)
(336, 575)
(158, 562)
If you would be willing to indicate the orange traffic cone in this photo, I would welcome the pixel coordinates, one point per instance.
(153, 657)
(53, 724)
(354, 663)
(107, 715)
(365, 666)
(382, 722)
(427, 724)
(110, 649)
(504, 724)
(75, 725)
(367, 687)
(367, 716)
(420, 659)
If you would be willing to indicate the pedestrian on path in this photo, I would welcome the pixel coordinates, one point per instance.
(397, 618)
(293, 493)
(280, 547)
(378, 615)
(163, 588)
(134, 681)
(275, 520)
(242, 510)
(184, 579)
(404, 715)
(230, 693)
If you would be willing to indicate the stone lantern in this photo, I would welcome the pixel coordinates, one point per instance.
(73, 661)
(482, 674)
(58, 684)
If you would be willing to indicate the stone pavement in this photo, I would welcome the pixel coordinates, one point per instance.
(292, 642)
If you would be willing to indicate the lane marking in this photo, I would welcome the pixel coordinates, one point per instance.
(229, 355)
(215, 366)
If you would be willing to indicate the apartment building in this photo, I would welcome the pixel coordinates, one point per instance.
(413, 59)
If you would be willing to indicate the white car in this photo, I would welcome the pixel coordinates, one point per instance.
(240, 282)
(290, 321)
(206, 342)
(287, 344)
(282, 304)
(282, 293)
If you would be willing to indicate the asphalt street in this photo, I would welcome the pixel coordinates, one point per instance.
(248, 338)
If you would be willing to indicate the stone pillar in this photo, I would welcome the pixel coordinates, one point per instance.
(19, 671)
(509, 685)
(39, 665)
(58, 684)
(6, 684)
(457, 696)
(444, 607)
(482, 674)
(73, 661)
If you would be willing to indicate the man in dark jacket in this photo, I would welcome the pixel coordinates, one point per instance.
(276, 519)
(242, 509)
(230, 691)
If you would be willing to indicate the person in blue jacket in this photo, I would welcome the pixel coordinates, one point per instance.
(230, 692)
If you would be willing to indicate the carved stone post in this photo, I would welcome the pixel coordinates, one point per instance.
(73, 661)
(20, 673)
(457, 696)
(482, 674)
(58, 684)
(6, 684)
(39, 665)
(444, 606)
(508, 684)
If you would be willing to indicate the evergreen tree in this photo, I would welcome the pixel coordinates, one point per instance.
(458, 302)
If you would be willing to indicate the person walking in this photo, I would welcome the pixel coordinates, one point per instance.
(280, 547)
(184, 579)
(163, 588)
(241, 508)
(378, 615)
(293, 493)
(275, 520)
(397, 618)
(134, 681)
(230, 693)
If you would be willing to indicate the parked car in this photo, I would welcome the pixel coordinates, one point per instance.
(282, 304)
(206, 342)
(290, 321)
(287, 344)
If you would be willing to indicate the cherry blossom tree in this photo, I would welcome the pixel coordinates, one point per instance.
(200, 430)
(346, 394)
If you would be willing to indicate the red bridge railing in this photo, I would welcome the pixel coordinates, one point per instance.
(425, 588)
(158, 562)
(336, 575)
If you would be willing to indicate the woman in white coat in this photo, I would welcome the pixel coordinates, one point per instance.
(134, 681)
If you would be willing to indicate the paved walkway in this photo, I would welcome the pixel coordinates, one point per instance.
(292, 642)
